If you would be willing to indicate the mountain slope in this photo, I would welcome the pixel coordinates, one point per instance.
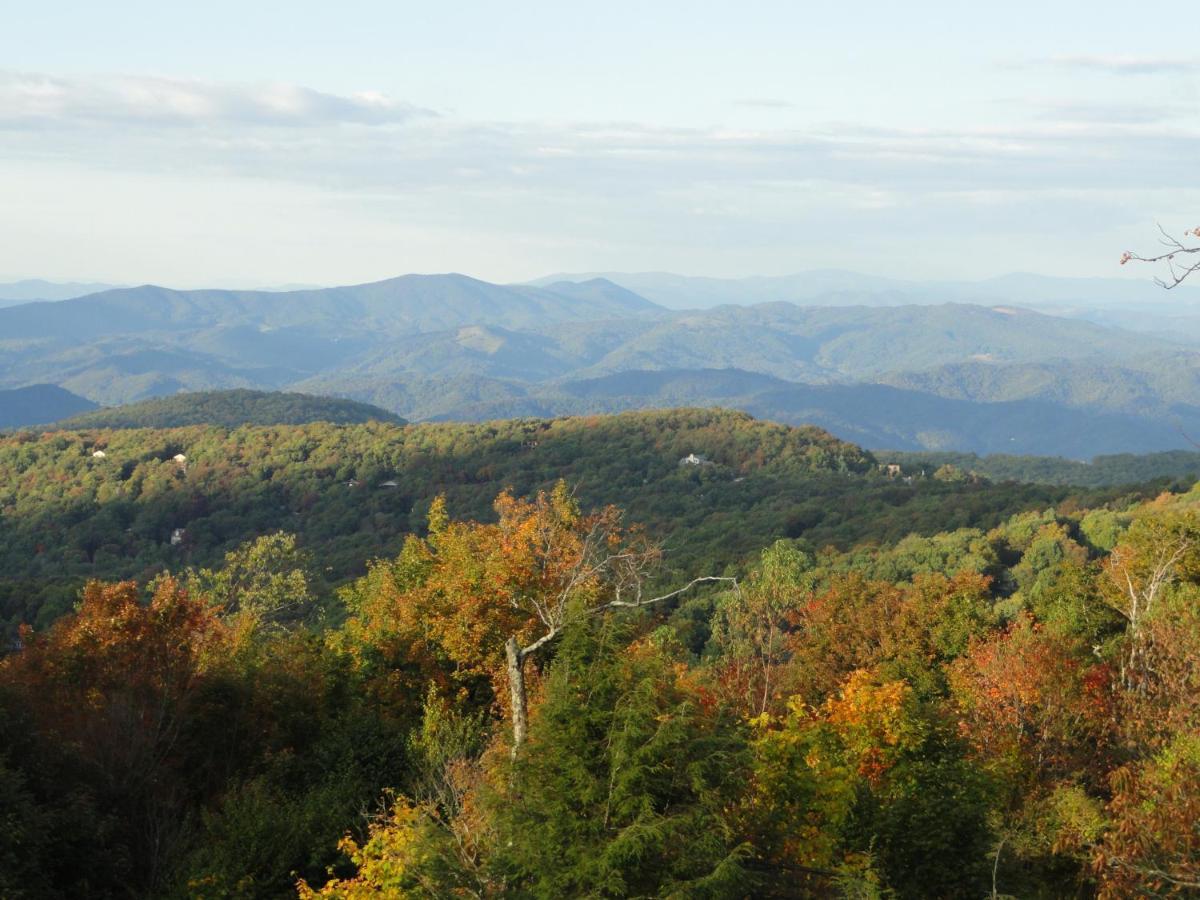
(800, 343)
(875, 416)
(404, 305)
(130, 344)
(833, 287)
(29, 290)
(1163, 384)
(352, 492)
(230, 409)
(39, 404)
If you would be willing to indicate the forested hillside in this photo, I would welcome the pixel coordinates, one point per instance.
(1101, 471)
(118, 504)
(229, 409)
(506, 708)
(39, 404)
(130, 344)
(873, 415)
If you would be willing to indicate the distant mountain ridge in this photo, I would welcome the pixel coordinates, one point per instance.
(133, 343)
(872, 415)
(903, 375)
(778, 339)
(835, 287)
(33, 289)
(404, 305)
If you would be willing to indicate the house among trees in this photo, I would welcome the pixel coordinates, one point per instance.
(99, 454)
(390, 484)
(892, 470)
(694, 459)
(177, 537)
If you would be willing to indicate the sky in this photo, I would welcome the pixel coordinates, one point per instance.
(259, 144)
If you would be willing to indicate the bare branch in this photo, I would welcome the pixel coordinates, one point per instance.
(706, 579)
(1178, 271)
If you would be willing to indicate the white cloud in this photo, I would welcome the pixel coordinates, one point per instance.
(1109, 113)
(1127, 65)
(369, 142)
(39, 99)
(769, 103)
(531, 195)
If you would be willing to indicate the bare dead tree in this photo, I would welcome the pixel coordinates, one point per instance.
(1139, 588)
(1181, 259)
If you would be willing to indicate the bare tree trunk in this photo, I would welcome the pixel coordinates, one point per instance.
(516, 688)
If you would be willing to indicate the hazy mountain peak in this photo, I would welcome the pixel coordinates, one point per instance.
(32, 289)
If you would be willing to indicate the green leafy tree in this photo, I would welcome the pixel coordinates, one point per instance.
(263, 582)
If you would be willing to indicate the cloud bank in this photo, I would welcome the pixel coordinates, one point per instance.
(1127, 65)
(31, 98)
(525, 196)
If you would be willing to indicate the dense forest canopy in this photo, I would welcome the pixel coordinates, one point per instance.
(1003, 711)
(230, 409)
(117, 504)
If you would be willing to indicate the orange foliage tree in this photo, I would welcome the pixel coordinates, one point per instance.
(483, 598)
(116, 686)
(1032, 703)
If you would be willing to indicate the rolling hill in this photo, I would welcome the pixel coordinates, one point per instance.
(859, 343)
(230, 409)
(1182, 466)
(39, 404)
(352, 492)
(130, 344)
(1166, 384)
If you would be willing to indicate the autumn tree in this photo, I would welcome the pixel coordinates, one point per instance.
(486, 597)
(262, 582)
(1033, 703)
(114, 688)
(1152, 845)
(750, 626)
(622, 789)
(1036, 708)
(1158, 551)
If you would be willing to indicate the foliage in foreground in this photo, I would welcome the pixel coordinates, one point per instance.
(1011, 712)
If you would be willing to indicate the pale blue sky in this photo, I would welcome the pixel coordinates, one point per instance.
(333, 143)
